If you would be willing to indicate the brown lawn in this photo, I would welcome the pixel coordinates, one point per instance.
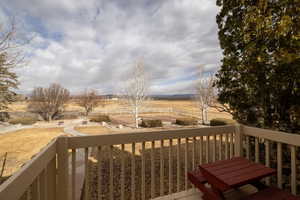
(21, 145)
(93, 130)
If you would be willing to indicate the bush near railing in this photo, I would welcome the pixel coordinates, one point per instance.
(23, 120)
(186, 121)
(221, 122)
(100, 118)
(150, 123)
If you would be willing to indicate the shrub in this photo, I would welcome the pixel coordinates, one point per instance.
(186, 121)
(100, 118)
(221, 122)
(23, 120)
(4, 116)
(149, 123)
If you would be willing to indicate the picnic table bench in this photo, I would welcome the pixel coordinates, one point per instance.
(231, 174)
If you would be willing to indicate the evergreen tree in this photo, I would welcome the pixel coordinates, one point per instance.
(260, 74)
(8, 82)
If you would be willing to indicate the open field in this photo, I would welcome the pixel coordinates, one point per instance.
(178, 107)
(21, 145)
(93, 130)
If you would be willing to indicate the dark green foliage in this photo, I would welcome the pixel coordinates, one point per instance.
(221, 122)
(186, 121)
(100, 118)
(149, 123)
(23, 120)
(260, 74)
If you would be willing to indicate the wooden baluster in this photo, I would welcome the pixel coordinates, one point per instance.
(152, 170)
(99, 171)
(279, 165)
(201, 150)
(122, 171)
(214, 148)
(73, 192)
(294, 170)
(178, 164)
(51, 179)
(86, 161)
(162, 168)
(111, 173)
(28, 194)
(256, 150)
(170, 166)
(220, 146)
(231, 146)
(267, 158)
(143, 172)
(35, 189)
(226, 146)
(62, 168)
(186, 163)
(207, 149)
(43, 185)
(248, 147)
(133, 172)
(193, 153)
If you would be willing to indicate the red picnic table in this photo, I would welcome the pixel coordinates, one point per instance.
(233, 173)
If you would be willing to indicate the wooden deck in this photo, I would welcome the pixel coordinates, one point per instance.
(194, 194)
(191, 194)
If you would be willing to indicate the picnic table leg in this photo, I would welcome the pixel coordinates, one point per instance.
(259, 185)
(217, 192)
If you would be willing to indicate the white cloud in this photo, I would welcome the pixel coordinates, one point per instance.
(91, 44)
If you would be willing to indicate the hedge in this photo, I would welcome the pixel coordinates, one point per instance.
(23, 120)
(149, 123)
(100, 118)
(186, 121)
(221, 122)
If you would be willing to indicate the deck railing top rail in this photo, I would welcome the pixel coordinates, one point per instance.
(276, 136)
(126, 138)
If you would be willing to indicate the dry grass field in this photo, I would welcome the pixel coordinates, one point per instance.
(178, 106)
(21, 145)
(93, 130)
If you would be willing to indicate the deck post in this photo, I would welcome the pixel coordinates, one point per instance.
(238, 146)
(62, 168)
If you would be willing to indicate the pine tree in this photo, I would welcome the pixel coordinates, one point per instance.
(260, 74)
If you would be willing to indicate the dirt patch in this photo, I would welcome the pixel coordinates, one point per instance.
(21, 145)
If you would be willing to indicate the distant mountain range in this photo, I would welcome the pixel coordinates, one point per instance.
(172, 97)
(162, 96)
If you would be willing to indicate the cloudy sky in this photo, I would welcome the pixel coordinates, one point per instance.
(95, 43)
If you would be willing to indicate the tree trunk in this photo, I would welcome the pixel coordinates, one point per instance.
(205, 112)
(202, 112)
(136, 118)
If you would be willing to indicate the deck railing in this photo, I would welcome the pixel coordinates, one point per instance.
(137, 165)
(267, 147)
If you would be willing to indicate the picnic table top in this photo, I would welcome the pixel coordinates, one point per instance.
(235, 172)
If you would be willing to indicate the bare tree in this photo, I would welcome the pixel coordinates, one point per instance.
(88, 100)
(205, 94)
(49, 102)
(136, 90)
(11, 56)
